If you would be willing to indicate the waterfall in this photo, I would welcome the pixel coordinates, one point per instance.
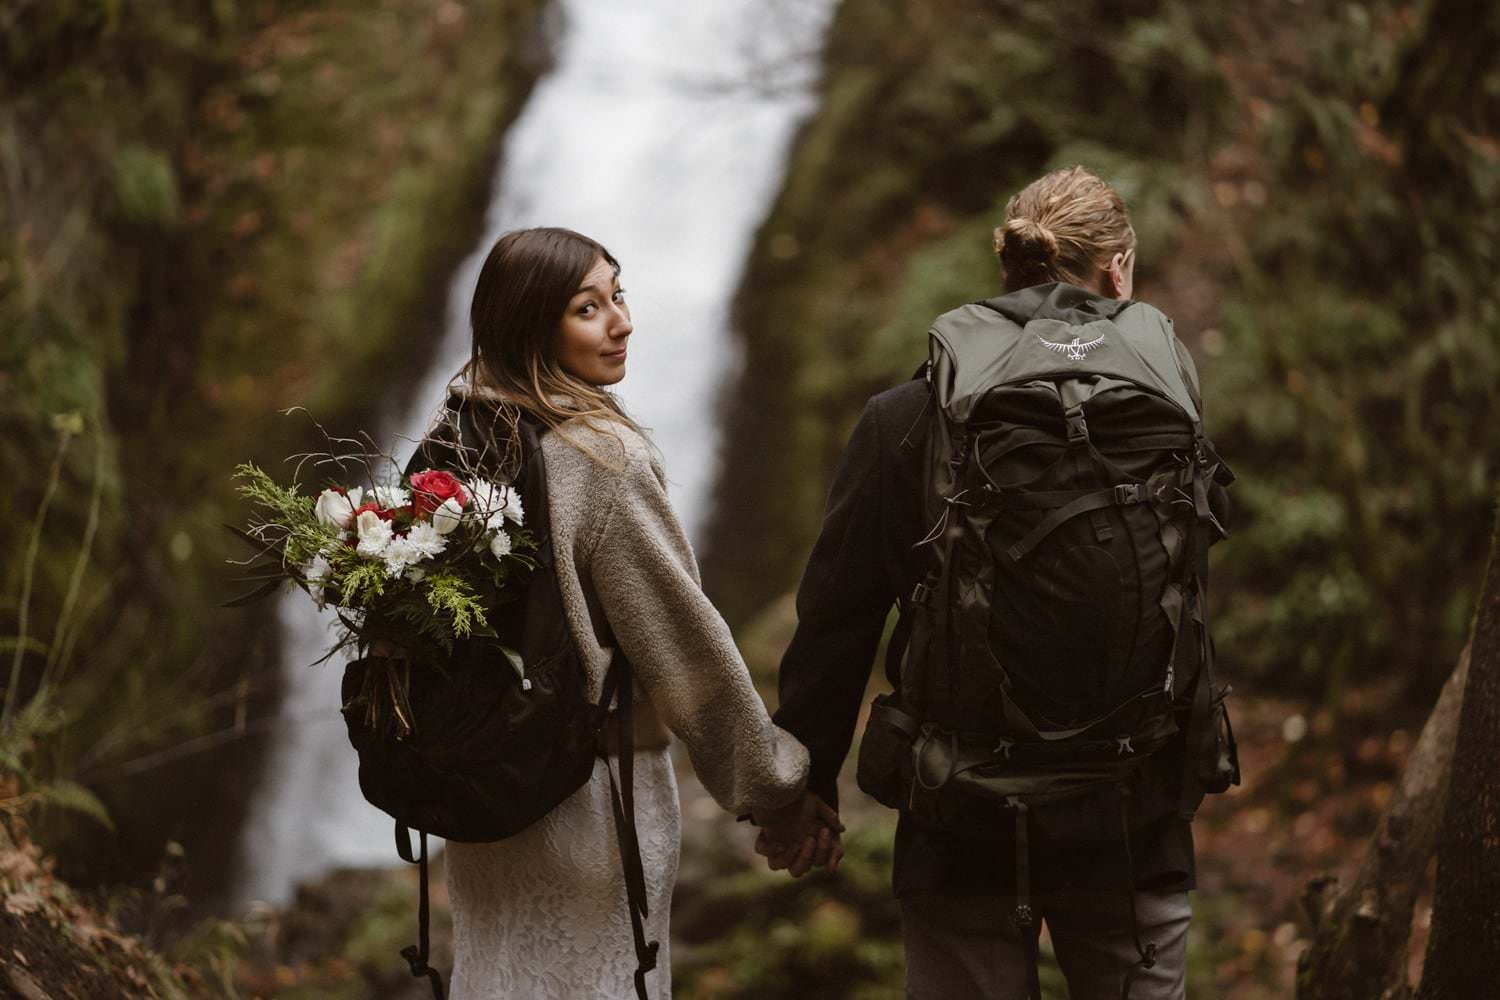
(662, 132)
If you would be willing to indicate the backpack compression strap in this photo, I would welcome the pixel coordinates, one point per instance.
(622, 802)
(416, 955)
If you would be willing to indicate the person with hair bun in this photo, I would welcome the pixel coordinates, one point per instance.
(1068, 226)
(1066, 250)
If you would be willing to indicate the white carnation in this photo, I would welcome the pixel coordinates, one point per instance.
(374, 534)
(335, 509)
(399, 554)
(513, 510)
(449, 515)
(426, 539)
(500, 545)
(488, 500)
(496, 503)
(391, 497)
(317, 572)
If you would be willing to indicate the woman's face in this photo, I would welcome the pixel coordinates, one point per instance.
(591, 337)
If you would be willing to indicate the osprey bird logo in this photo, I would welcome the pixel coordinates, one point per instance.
(1075, 351)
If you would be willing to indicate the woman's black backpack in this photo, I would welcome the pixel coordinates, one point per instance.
(488, 752)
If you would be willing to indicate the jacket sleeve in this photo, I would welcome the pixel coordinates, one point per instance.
(842, 604)
(646, 578)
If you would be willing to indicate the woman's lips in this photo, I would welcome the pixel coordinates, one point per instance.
(616, 355)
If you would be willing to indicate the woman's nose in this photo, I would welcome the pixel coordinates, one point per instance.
(621, 327)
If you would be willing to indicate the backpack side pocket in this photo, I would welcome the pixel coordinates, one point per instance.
(884, 769)
(1220, 766)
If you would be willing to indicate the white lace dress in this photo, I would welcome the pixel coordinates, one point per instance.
(544, 913)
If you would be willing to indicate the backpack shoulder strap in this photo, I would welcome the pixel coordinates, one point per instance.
(622, 802)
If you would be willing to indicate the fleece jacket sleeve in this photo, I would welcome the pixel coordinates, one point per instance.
(646, 578)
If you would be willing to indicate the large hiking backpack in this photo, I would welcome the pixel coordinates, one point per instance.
(1060, 636)
(489, 752)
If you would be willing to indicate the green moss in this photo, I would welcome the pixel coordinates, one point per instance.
(145, 189)
(1327, 222)
(225, 209)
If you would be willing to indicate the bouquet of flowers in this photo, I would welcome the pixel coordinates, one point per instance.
(418, 562)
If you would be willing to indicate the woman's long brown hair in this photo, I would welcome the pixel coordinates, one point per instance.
(524, 288)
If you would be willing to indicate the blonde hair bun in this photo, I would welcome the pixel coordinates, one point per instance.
(1064, 226)
(1027, 248)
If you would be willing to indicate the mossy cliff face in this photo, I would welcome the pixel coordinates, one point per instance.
(1315, 199)
(210, 212)
(930, 116)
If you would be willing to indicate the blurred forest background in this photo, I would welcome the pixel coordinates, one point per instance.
(210, 209)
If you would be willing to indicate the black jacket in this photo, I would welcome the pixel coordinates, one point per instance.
(863, 559)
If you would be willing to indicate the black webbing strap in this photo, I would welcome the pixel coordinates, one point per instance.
(1025, 915)
(622, 803)
(1201, 712)
(1148, 951)
(416, 955)
(1118, 496)
(896, 647)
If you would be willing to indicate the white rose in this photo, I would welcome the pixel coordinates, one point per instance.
(449, 514)
(334, 509)
(374, 534)
(500, 545)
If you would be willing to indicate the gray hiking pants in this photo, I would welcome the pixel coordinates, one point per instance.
(971, 946)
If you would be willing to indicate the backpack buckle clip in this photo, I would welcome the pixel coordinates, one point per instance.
(1127, 493)
(1078, 428)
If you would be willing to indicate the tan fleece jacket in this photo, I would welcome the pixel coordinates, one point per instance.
(626, 569)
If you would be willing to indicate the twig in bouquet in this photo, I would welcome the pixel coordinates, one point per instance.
(364, 451)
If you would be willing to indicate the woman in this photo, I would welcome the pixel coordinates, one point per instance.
(544, 913)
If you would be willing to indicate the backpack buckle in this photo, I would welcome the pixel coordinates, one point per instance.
(1127, 493)
(1078, 428)
(920, 594)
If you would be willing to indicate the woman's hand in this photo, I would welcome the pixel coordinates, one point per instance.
(800, 836)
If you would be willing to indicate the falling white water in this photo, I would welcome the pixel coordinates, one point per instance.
(661, 132)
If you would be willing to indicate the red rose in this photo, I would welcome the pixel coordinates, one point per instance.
(380, 512)
(430, 487)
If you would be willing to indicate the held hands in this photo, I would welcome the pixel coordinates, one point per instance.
(800, 836)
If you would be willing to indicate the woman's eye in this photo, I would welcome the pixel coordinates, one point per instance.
(587, 309)
(619, 295)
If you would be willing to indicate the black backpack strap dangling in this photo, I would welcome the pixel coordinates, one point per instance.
(416, 955)
(1025, 915)
(1148, 950)
(622, 802)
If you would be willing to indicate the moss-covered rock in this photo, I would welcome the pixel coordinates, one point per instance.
(209, 212)
(1315, 200)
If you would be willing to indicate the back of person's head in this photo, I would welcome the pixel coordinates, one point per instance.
(1065, 226)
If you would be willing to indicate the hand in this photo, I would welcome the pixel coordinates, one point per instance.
(800, 836)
